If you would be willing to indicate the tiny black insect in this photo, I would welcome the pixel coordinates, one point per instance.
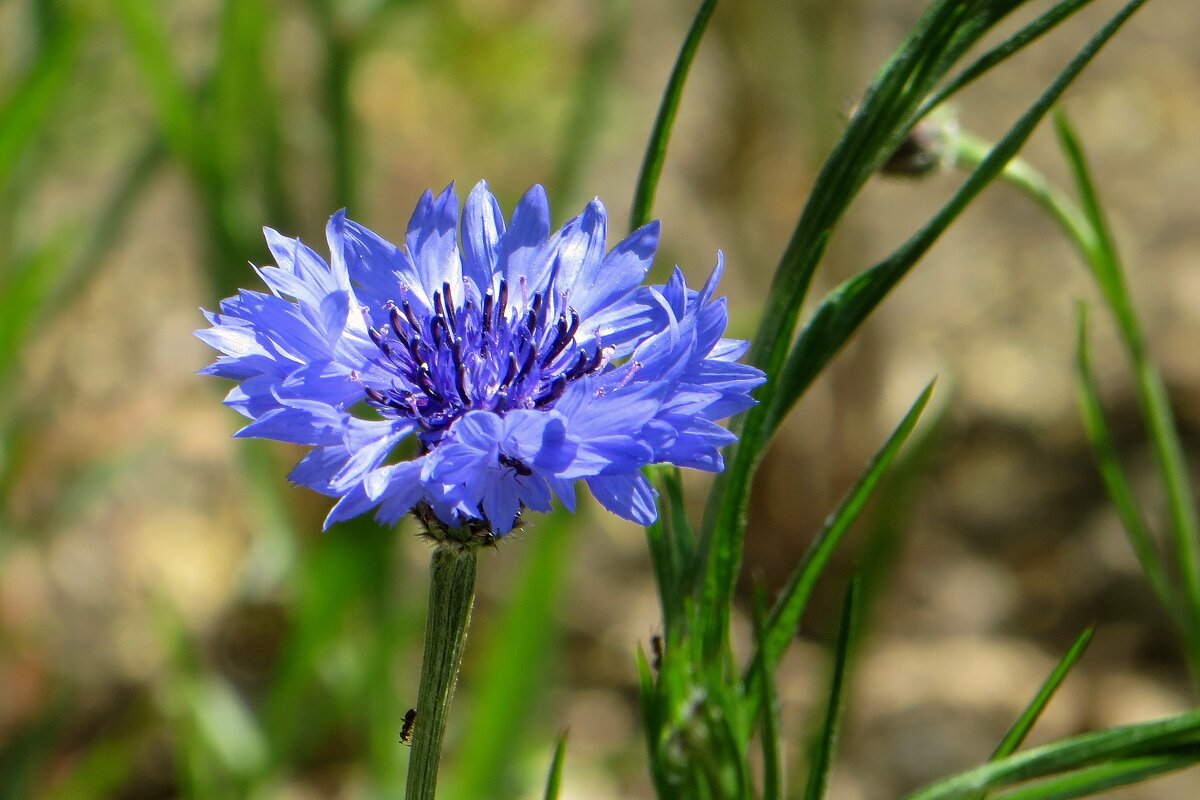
(516, 464)
(406, 732)
(656, 649)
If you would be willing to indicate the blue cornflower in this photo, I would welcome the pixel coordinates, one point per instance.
(519, 361)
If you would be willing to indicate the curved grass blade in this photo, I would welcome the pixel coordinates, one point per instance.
(1156, 407)
(885, 115)
(589, 104)
(554, 779)
(845, 309)
(173, 100)
(1173, 736)
(1028, 34)
(31, 101)
(1113, 474)
(656, 148)
(789, 607)
(1091, 781)
(672, 544)
(772, 782)
(822, 750)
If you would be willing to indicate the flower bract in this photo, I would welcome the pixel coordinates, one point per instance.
(482, 368)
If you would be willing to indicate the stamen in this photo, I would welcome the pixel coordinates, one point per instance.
(414, 347)
(556, 390)
(511, 373)
(394, 318)
(410, 316)
(598, 359)
(527, 367)
(578, 367)
(460, 382)
(566, 332)
(450, 313)
(489, 302)
(435, 328)
(502, 306)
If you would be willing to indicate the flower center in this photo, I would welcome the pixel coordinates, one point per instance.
(495, 357)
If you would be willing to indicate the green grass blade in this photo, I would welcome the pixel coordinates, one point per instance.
(946, 30)
(514, 657)
(1102, 259)
(31, 101)
(773, 779)
(554, 779)
(844, 310)
(1028, 34)
(822, 749)
(1178, 735)
(1156, 407)
(672, 544)
(1113, 474)
(790, 605)
(100, 772)
(1093, 780)
(173, 101)
(589, 111)
(660, 135)
(1087, 782)
(1029, 717)
(653, 721)
(25, 291)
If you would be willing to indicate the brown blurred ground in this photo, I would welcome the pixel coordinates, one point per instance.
(1010, 546)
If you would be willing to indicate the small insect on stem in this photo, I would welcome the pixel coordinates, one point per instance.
(656, 651)
(406, 732)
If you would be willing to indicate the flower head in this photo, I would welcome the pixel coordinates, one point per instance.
(520, 361)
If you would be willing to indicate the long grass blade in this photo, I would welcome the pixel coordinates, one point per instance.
(769, 733)
(1028, 34)
(790, 605)
(1178, 735)
(176, 107)
(35, 96)
(554, 778)
(822, 749)
(1113, 474)
(883, 118)
(1093, 780)
(589, 105)
(1029, 717)
(660, 135)
(1156, 407)
(840, 315)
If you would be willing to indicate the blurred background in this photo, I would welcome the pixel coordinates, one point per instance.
(173, 624)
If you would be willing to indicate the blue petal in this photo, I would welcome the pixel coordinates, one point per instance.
(380, 270)
(579, 248)
(526, 234)
(299, 422)
(630, 496)
(482, 227)
(432, 240)
(619, 273)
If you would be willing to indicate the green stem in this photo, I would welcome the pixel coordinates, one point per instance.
(451, 596)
